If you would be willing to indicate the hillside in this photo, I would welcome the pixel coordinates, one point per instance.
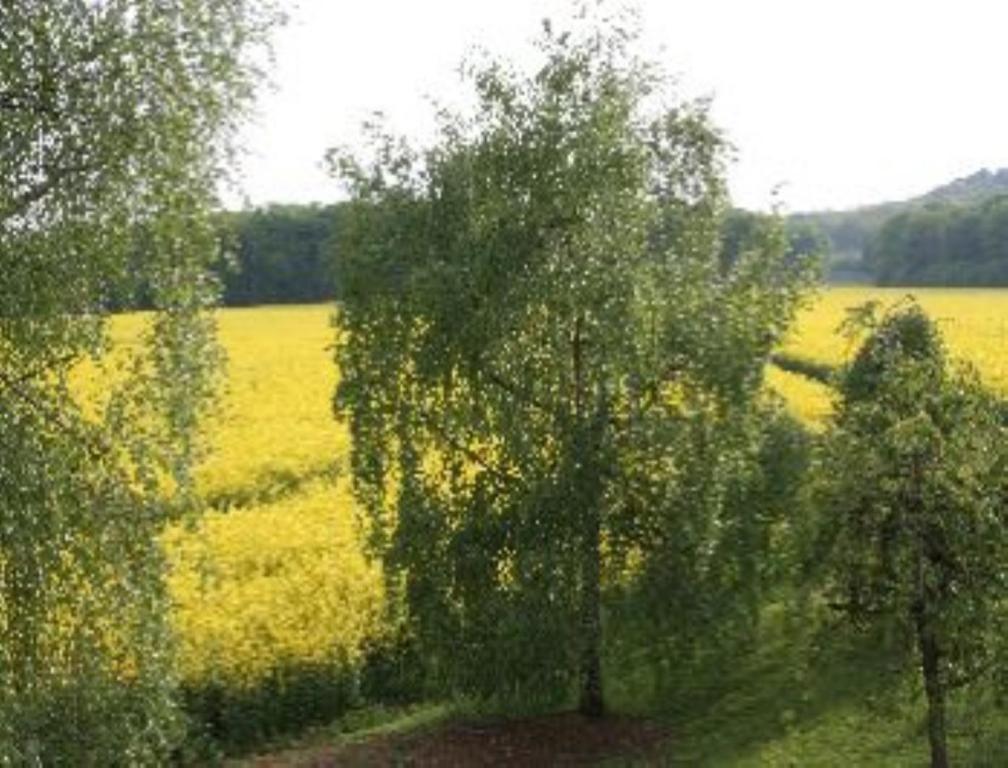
(849, 231)
(975, 188)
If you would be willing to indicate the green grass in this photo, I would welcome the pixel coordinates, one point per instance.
(358, 725)
(810, 693)
(384, 721)
(804, 692)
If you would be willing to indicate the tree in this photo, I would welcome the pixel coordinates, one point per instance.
(943, 243)
(281, 255)
(116, 123)
(537, 341)
(913, 494)
(741, 229)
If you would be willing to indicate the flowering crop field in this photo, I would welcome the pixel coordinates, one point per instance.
(273, 577)
(275, 573)
(275, 425)
(809, 400)
(974, 323)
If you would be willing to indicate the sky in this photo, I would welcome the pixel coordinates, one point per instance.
(830, 103)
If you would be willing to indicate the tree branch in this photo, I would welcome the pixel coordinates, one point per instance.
(14, 101)
(525, 398)
(502, 475)
(19, 204)
(95, 445)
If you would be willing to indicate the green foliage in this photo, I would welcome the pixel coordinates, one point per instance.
(116, 120)
(943, 244)
(909, 336)
(847, 232)
(741, 230)
(913, 502)
(704, 596)
(281, 255)
(975, 188)
(934, 239)
(548, 372)
(234, 718)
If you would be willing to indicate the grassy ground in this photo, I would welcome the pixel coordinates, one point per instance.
(804, 694)
(817, 695)
(370, 724)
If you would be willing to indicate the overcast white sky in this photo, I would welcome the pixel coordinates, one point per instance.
(843, 102)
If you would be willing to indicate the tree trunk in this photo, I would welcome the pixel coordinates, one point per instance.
(587, 494)
(935, 690)
(592, 701)
(934, 685)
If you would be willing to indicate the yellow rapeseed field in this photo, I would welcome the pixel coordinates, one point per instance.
(809, 400)
(274, 574)
(974, 323)
(275, 424)
(272, 587)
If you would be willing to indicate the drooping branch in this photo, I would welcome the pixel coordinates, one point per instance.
(52, 179)
(27, 375)
(21, 101)
(502, 475)
(577, 355)
(523, 396)
(96, 445)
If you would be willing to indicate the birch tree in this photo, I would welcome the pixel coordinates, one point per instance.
(536, 334)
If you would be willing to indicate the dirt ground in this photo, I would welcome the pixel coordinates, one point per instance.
(554, 740)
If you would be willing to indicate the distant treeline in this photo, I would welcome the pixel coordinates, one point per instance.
(943, 243)
(284, 254)
(848, 232)
(950, 223)
(742, 230)
(280, 254)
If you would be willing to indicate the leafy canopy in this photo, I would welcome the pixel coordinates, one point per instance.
(913, 496)
(117, 120)
(538, 340)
